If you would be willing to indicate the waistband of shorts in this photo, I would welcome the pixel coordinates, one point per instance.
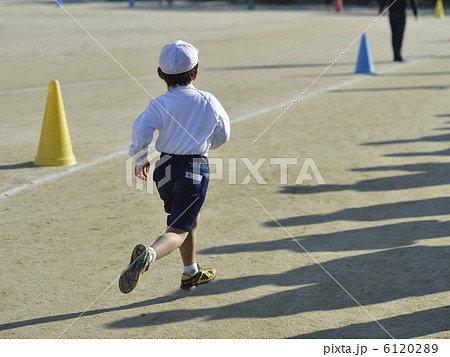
(184, 156)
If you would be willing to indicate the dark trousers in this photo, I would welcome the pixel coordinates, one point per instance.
(398, 23)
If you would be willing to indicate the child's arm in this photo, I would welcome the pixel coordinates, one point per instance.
(142, 135)
(221, 133)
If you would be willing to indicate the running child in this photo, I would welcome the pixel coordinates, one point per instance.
(190, 122)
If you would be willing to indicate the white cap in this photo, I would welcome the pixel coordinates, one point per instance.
(178, 57)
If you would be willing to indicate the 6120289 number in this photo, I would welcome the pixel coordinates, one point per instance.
(410, 348)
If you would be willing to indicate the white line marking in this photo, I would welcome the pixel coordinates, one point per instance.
(73, 85)
(58, 175)
(304, 98)
(318, 92)
(241, 118)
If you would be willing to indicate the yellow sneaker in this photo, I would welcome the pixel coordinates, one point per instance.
(139, 263)
(203, 276)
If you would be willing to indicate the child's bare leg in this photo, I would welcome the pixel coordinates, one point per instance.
(187, 249)
(172, 239)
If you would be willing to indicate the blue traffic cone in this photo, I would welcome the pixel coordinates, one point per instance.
(364, 63)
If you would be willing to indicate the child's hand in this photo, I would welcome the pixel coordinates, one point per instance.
(141, 171)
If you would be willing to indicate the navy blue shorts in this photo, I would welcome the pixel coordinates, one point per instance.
(182, 182)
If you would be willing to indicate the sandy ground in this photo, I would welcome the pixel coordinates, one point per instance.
(364, 255)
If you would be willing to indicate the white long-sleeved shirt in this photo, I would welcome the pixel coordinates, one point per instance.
(189, 121)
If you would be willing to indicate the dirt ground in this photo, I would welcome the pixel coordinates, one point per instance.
(364, 255)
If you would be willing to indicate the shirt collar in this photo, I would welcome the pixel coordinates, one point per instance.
(189, 86)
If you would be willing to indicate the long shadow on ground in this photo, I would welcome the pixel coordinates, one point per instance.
(419, 323)
(370, 279)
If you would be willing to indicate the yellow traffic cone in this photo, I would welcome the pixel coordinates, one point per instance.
(439, 10)
(55, 147)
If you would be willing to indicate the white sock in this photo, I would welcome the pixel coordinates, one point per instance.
(152, 254)
(191, 270)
